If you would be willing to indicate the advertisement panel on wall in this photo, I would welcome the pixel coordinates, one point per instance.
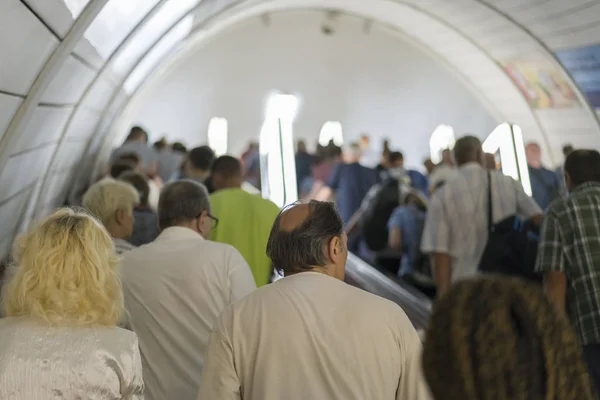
(541, 81)
(584, 65)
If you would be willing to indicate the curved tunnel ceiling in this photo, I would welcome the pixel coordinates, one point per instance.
(60, 94)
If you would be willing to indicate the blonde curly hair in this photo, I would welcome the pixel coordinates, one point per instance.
(64, 272)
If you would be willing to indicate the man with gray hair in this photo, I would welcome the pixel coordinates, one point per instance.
(176, 287)
(310, 335)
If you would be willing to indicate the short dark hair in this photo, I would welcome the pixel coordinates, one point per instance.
(201, 157)
(227, 166)
(136, 132)
(302, 248)
(132, 157)
(583, 166)
(139, 182)
(465, 149)
(179, 147)
(181, 201)
(567, 149)
(121, 166)
(396, 156)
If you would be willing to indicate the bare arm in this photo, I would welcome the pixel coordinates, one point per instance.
(395, 239)
(324, 194)
(555, 286)
(442, 272)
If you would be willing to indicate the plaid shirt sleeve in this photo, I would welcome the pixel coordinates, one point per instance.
(551, 256)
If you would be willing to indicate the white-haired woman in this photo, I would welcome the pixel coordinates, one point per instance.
(63, 300)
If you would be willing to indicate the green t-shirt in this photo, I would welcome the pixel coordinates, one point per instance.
(245, 222)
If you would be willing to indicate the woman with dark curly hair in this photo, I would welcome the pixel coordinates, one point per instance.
(498, 338)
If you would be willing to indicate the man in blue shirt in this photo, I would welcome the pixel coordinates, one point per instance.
(545, 185)
(304, 162)
(350, 181)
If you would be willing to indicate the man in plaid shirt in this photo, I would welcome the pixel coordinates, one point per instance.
(569, 252)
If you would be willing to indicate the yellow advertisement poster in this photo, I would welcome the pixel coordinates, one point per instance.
(541, 81)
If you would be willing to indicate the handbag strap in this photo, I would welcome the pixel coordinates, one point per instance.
(490, 206)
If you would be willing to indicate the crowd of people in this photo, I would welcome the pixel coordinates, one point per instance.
(162, 285)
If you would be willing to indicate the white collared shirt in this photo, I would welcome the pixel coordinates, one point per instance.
(175, 288)
(457, 215)
(311, 336)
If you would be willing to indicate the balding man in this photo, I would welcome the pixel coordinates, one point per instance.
(310, 335)
(456, 228)
(176, 287)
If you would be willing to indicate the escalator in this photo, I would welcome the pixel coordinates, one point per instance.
(415, 304)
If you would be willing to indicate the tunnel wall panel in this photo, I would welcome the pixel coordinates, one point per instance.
(8, 107)
(11, 211)
(88, 52)
(55, 13)
(69, 84)
(69, 154)
(83, 123)
(99, 95)
(25, 45)
(23, 170)
(44, 127)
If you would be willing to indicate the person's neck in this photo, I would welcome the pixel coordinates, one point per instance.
(198, 174)
(329, 270)
(232, 183)
(474, 161)
(188, 225)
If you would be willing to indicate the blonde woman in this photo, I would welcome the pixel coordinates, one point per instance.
(63, 300)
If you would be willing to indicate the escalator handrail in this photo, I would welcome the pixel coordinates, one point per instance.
(416, 305)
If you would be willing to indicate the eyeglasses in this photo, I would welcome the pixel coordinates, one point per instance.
(215, 220)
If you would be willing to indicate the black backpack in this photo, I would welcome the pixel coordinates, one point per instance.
(377, 212)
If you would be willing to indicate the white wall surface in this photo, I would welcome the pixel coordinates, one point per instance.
(372, 82)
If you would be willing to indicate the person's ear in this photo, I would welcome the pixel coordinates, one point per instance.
(203, 223)
(120, 216)
(335, 249)
(568, 182)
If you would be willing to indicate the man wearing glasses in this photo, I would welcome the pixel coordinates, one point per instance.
(176, 287)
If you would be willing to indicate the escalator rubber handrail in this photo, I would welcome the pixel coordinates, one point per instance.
(416, 305)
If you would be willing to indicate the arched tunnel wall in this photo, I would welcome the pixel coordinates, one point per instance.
(65, 66)
(369, 81)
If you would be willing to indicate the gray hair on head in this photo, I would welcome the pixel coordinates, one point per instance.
(303, 248)
(182, 201)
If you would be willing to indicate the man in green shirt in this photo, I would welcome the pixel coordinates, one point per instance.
(245, 220)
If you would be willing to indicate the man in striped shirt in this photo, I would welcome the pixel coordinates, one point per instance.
(456, 228)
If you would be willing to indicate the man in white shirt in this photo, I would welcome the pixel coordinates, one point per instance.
(456, 229)
(176, 287)
(310, 335)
